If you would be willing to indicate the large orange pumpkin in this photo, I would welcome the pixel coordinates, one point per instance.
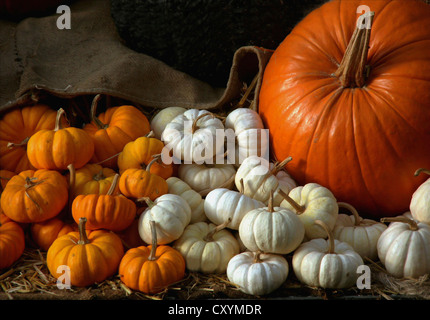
(16, 127)
(354, 115)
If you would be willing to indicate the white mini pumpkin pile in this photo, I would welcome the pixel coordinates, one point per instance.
(246, 215)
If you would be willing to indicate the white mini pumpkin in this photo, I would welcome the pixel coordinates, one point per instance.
(207, 248)
(312, 202)
(404, 247)
(250, 136)
(205, 177)
(192, 136)
(361, 234)
(257, 273)
(260, 177)
(171, 214)
(222, 204)
(194, 199)
(420, 202)
(271, 230)
(163, 117)
(330, 263)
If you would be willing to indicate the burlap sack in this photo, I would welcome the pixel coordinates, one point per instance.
(90, 58)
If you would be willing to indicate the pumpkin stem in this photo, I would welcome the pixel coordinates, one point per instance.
(150, 134)
(23, 143)
(110, 158)
(210, 236)
(270, 204)
(353, 71)
(417, 173)
(83, 238)
(357, 218)
(195, 127)
(99, 176)
(58, 124)
(148, 201)
(331, 247)
(299, 208)
(96, 120)
(155, 159)
(242, 186)
(280, 165)
(412, 223)
(257, 258)
(113, 184)
(152, 255)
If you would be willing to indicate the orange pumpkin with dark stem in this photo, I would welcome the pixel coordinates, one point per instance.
(139, 183)
(113, 129)
(16, 128)
(92, 257)
(105, 211)
(57, 148)
(150, 269)
(351, 104)
(140, 152)
(44, 233)
(12, 241)
(35, 196)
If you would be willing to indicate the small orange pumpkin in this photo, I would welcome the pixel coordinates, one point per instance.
(92, 179)
(12, 241)
(16, 128)
(35, 195)
(141, 183)
(140, 152)
(113, 129)
(150, 269)
(57, 148)
(109, 211)
(92, 257)
(44, 233)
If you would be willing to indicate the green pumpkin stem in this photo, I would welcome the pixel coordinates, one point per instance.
(417, 173)
(83, 238)
(331, 247)
(353, 71)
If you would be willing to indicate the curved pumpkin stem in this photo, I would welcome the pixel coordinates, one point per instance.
(331, 247)
(351, 209)
(194, 127)
(83, 238)
(113, 185)
(152, 254)
(96, 120)
(72, 181)
(412, 223)
(352, 69)
(417, 173)
(299, 208)
(210, 235)
(23, 144)
(58, 124)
